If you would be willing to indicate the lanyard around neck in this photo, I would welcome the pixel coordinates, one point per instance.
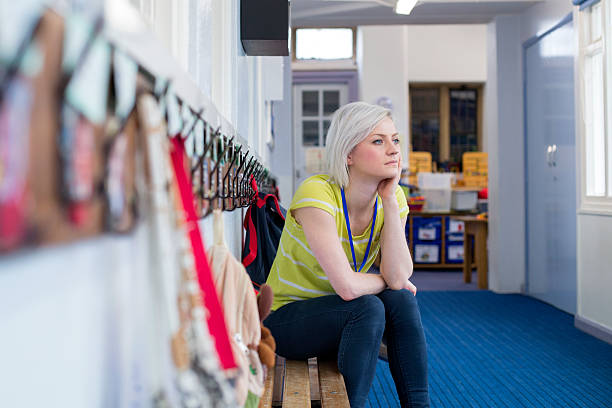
(350, 236)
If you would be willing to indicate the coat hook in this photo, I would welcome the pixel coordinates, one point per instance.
(246, 176)
(231, 182)
(67, 76)
(161, 94)
(14, 65)
(207, 146)
(227, 162)
(235, 181)
(196, 117)
(255, 176)
(216, 169)
(218, 160)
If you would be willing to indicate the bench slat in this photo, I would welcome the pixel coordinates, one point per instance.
(333, 390)
(279, 381)
(296, 393)
(266, 399)
(313, 371)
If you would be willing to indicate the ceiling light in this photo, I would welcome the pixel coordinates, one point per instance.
(405, 6)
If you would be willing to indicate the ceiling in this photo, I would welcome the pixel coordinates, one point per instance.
(342, 13)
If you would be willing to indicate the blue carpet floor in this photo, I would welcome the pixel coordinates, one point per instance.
(490, 350)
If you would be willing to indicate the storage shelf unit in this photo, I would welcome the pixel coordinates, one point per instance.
(425, 229)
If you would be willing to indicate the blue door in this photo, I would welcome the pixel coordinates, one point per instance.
(551, 167)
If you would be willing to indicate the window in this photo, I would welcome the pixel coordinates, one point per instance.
(317, 104)
(445, 120)
(313, 107)
(463, 118)
(596, 106)
(425, 121)
(324, 44)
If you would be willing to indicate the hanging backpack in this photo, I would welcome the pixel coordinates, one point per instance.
(264, 222)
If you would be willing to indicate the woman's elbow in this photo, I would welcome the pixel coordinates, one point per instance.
(346, 294)
(400, 280)
(396, 284)
(344, 289)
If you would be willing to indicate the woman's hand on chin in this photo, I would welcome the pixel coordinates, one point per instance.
(386, 188)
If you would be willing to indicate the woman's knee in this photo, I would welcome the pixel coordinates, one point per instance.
(370, 308)
(400, 301)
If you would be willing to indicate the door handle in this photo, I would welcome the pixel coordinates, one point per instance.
(554, 155)
(549, 150)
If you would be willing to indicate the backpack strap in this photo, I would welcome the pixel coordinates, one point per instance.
(262, 201)
(250, 227)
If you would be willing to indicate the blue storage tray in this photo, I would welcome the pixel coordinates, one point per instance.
(427, 229)
(454, 237)
(427, 253)
(452, 251)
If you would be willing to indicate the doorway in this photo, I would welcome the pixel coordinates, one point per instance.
(550, 157)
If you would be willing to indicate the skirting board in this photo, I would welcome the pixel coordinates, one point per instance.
(593, 328)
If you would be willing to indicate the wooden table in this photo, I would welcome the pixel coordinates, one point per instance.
(478, 229)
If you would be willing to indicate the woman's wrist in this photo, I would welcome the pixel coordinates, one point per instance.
(390, 203)
(384, 283)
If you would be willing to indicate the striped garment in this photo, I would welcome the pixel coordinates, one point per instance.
(295, 273)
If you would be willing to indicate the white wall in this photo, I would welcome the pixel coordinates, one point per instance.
(74, 324)
(281, 157)
(390, 57)
(504, 138)
(67, 312)
(595, 269)
(446, 53)
(542, 17)
(380, 61)
(490, 95)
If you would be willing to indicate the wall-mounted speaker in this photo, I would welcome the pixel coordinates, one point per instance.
(264, 27)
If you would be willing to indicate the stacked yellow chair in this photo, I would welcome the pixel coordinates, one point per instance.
(475, 169)
(418, 162)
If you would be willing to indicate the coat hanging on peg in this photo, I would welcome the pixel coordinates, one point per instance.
(186, 310)
(241, 313)
(215, 318)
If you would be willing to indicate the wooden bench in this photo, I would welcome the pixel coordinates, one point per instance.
(301, 384)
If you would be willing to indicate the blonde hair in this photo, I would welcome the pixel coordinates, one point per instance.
(350, 124)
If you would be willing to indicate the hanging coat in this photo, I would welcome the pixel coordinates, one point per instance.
(241, 313)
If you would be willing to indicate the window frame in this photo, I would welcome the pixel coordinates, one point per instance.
(320, 117)
(340, 64)
(597, 205)
(444, 144)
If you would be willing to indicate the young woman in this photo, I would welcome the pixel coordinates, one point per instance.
(337, 226)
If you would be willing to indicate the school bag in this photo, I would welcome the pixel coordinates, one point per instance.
(263, 222)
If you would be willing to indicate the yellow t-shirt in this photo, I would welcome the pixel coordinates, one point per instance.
(295, 273)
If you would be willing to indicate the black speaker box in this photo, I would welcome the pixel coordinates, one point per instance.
(264, 27)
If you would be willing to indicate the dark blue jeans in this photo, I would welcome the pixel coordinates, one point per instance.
(329, 327)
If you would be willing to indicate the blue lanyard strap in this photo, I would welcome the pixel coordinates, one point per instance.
(350, 236)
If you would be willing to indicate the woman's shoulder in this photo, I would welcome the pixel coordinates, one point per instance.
(317, 191)
(318, 182)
